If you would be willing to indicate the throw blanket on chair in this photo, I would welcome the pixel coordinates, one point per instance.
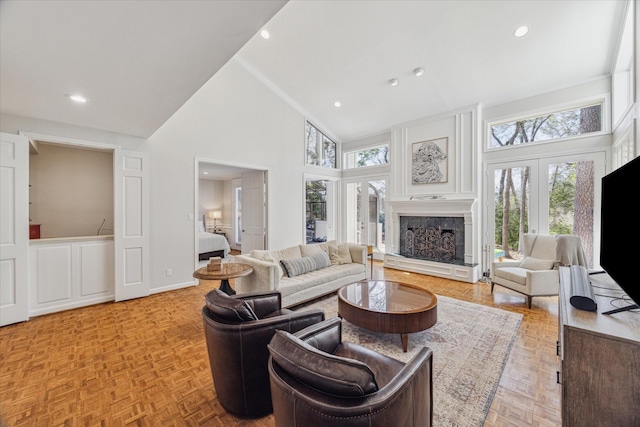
(569, 251)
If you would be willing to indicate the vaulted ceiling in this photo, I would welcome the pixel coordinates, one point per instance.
(139, 61)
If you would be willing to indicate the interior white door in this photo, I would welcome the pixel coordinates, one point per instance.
(14, 229)
(253, 211)
(131, 224)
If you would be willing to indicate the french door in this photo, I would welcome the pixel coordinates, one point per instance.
(554, 195)
(364, 206)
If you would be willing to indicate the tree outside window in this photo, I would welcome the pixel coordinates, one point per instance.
(320, 149)
(558, 125)
(368, 157)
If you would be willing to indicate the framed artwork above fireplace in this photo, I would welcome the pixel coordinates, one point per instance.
(429, 161)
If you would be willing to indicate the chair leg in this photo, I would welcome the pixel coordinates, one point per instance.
(529, 298)
(492, 286)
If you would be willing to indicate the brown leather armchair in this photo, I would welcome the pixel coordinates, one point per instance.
(237, 330)
(318, 380)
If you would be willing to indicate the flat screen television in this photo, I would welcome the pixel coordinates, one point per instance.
(620, 231)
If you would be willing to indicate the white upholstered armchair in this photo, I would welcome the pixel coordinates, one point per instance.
(535, 274)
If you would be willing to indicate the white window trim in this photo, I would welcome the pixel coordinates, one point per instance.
(368, 147)
(604, 101)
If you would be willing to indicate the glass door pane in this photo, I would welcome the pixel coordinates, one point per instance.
(512, 195)
(571, 202)
(353, 205)
(238, 216)
(376, 214)
(320, 204)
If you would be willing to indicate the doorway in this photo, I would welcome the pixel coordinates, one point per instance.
(365, 207)
(223, 208)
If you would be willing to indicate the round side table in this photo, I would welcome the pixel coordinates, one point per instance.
(228, 271)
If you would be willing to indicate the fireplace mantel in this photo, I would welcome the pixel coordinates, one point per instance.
(466, 208)
(434, 207)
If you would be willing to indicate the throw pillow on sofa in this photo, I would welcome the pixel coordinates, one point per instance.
(297, 266)
(340, 254)
(308, 250)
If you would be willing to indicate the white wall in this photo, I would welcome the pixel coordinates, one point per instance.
(210, 197)
(236, 119)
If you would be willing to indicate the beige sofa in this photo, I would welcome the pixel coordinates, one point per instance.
(346, 264)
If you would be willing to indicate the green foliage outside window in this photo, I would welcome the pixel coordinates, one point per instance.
(561, 124)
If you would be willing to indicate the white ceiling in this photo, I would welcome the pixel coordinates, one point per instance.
(139, 61)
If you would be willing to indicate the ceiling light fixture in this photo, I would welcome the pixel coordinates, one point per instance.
(337, 103)
(418, 71)
(78, 98)
(521, 31)
(265, 34)
(394, 82)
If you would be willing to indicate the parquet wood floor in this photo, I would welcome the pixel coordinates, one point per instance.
(144, 362)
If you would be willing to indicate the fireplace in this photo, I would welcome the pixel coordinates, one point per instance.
(434, 236)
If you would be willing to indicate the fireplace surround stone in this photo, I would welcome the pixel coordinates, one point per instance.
(455, 216)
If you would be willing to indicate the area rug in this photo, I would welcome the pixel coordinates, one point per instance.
(470, 343)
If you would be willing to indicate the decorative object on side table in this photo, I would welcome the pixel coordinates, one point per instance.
(215, 264)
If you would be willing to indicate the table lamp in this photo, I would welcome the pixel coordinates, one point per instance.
(215, 215)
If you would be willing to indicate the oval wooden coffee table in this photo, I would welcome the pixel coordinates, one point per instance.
(388, 307)
(229, 270)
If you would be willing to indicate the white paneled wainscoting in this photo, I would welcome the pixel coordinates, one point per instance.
(463, 262)
(70, 272)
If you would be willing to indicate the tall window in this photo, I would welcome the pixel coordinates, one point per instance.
(321, 151)
(557, 125)
(316, 195)
(368, 157)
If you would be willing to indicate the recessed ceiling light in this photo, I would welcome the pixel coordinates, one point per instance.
(337, 103)
(205, 173)
(394, 82)
(418, 71)
(521, 31)
(78, 98)
(265, 34)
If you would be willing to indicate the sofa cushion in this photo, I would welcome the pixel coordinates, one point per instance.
(321, 259)
(531, 263)
(227, 308)
(346, 273)
(297, 266)
(325, 372)
(308, 250)
(340, 254)
(514, 274)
